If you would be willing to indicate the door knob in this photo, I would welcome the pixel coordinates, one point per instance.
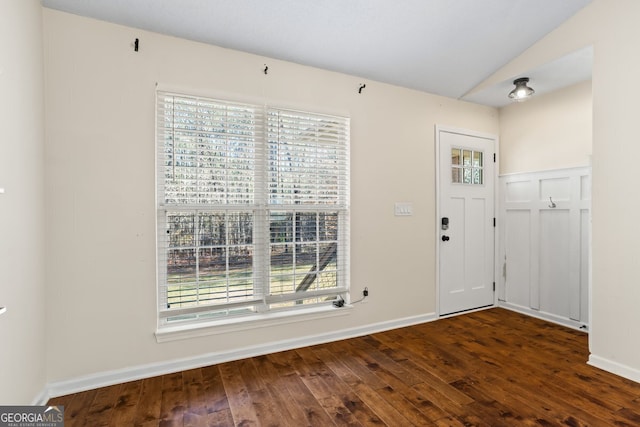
(445, 238)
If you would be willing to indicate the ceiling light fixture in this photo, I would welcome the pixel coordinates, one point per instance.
(522, 92)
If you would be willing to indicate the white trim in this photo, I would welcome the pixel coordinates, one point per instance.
(460, 313)
(42, 398)
(258, 207)
(103, 379)
(544, 171)
(616, 368)
(549, 317)
(243, 323)
(437, 225)
(496, 168)
(496, 215)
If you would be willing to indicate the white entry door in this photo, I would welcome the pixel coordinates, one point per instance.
(466, 221)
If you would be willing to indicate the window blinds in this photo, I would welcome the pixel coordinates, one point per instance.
(308, 162)
(252, 207)
(206, 151)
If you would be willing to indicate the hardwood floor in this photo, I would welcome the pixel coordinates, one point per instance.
(489, 368)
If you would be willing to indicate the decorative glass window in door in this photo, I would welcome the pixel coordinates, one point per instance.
(467, 166)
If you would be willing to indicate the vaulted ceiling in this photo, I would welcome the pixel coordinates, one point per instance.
(444, 47)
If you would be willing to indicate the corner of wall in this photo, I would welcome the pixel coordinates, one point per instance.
(22, 289)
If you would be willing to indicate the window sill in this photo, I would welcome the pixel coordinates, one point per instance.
(263, 320)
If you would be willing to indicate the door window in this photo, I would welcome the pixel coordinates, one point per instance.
(467, 166)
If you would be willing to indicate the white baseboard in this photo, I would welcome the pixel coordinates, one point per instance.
(614, 368)
(41, 398)
(107, 378)
(563, 321)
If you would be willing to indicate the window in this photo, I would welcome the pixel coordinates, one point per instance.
(253, 208)
(466, 166)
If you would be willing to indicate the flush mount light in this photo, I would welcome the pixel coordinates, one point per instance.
(522, 92)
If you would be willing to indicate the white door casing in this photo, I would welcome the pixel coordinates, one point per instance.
(466, 245)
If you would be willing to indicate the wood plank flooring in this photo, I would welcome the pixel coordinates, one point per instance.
(489, 368)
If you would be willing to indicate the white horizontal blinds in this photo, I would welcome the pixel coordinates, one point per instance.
(252, 207)
(208, 150)
(207, 154)
(308, 158)
(308, 185)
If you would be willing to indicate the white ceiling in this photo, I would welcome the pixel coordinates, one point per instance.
(445, 47)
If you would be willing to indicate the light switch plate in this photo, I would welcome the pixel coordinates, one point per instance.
(403, 209)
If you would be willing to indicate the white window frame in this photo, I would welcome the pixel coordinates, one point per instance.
(263, 201)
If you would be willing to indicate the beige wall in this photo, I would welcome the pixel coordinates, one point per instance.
(611, 27)
(22, 291)
(100, 294)
(616, 149)
(100, 187)
(551, 131)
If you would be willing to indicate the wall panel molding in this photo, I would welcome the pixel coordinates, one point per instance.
(543, 238)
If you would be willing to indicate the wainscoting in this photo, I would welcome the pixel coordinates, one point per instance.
(543, 265)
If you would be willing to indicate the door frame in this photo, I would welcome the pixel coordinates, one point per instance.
(496, 141)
